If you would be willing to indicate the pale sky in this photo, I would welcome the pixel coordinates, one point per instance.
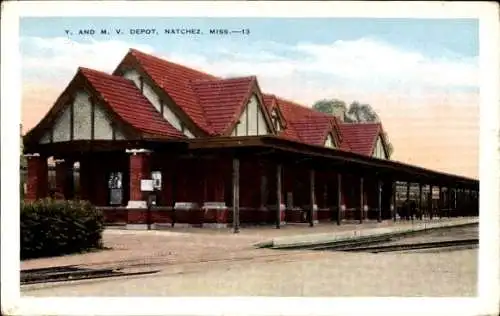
(420, 76)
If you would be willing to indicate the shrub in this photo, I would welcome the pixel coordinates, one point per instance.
(56, 227)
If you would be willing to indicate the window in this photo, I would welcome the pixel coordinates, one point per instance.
(275, 121)
(156, 177)
(329, 141)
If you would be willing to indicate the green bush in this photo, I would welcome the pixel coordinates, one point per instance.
(56, 227)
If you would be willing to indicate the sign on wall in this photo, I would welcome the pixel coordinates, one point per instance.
(146, 185)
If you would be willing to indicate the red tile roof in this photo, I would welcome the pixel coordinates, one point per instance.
(312, 131)
(306, 124)
(361, 137)
(214, 104)
(176, 81)
(222, 100)
(128, 103)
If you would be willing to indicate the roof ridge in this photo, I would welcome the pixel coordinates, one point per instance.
(302, 106)
(136, 51)
(252, 77)
(361, 123)
(86, 69)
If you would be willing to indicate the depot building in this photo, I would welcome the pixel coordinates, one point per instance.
(220, 152)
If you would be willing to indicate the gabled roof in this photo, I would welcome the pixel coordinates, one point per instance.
(212, 105)
(306, 124)
(211, 102)
(362, 137)
(271, 103)
(120, 97)
(176, 81)
(222, 100)
(129, 104)
(312, 131)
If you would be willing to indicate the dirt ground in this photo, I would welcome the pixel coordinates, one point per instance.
(179, 245)
(204, 262)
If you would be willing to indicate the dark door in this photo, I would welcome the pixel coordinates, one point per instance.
(115, 188)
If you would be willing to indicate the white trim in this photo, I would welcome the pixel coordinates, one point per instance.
(214, 206)
(214, 225)
(138, 226)
(137, 204)
(185, 206)
(186, 225)
(32, 155)
(137, 151)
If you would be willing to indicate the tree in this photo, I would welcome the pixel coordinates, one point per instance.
(329, 106)
(334, 107)
(356, 113)
(362, 113)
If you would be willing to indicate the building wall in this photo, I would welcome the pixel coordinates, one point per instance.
(61, 128)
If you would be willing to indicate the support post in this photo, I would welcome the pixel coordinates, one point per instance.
(361, 201)
(420, 212)
(236, 195)
(450, 201)
(312, 198)
(278, 195)
(440, 201)
(139, 169)
(379, 191)
(408, 207)
(394, 200)
(429, 202)
(339, 198)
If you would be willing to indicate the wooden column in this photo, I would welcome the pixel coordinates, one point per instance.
(440, 201)
(450, 200)
(420, 201)
(459, 201)
(278, 195)
(394, 200)
(339, 198)
(379, 212)
(408, 207)
(429, 203)
(312, 197)
(139, 169)
(236, 195)
(361, 200)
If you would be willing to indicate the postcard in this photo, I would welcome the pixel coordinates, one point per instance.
(249, 158)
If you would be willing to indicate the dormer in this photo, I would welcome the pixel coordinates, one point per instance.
(379, 150)
(276, 120)
(330, 141)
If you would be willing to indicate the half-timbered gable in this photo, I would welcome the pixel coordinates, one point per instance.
(252, 120)
(97, 106)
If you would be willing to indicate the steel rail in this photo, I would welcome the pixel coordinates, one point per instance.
(413, 246)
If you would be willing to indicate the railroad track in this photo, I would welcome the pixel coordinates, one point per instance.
(48, 276)
(87, 272)
(413, 246)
